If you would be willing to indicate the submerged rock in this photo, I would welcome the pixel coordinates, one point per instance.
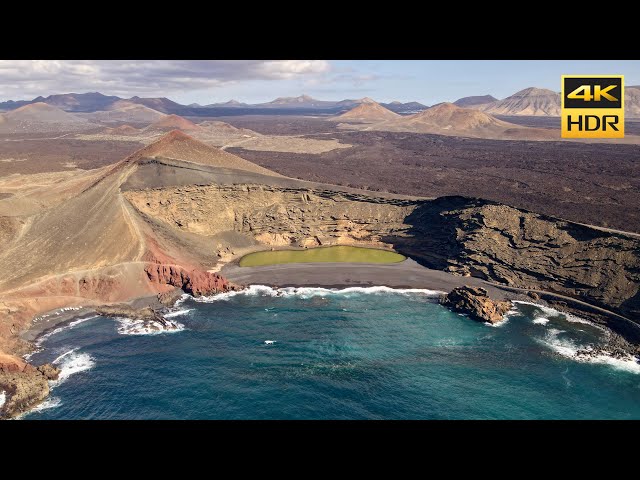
(475, 302)
(24, 387)
(145, 319)
(146, 314)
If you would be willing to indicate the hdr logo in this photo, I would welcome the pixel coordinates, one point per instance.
(592, 106)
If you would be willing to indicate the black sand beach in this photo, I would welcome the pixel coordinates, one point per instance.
(406, 274)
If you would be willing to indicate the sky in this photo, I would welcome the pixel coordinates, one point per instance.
(255, 81)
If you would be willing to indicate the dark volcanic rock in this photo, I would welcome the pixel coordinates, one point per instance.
(145, 313)
(474, 302)
(527, 250)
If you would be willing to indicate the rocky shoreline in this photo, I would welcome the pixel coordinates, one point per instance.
(477, 305)
(26, 386)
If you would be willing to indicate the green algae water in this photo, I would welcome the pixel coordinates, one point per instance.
(339, 253)
(354, 353)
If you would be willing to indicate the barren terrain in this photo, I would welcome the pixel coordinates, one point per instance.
(597, 184)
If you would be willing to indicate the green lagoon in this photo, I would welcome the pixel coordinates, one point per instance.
(340, 253)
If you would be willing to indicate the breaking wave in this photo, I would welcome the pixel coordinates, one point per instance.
(309, 292)
(70, 363)
(540, 320)
(554, 313)
(183, 298)
(177, 313)
(569, 349)
(62, 328)
(128, 326)
(51, 402)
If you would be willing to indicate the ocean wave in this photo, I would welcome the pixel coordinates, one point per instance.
(570, 349)
(51, 402)
(501, 323)
(308, 292)
(540, 320)
(128, 326)
(552, 312)
(70, 363)
(183, 298)
(27, 356)
(64, 327)
(3, 398)
(177, 313)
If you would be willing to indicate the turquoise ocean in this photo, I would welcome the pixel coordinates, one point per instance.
(355, 353)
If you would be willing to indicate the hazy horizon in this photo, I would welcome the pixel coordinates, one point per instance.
(257, 81)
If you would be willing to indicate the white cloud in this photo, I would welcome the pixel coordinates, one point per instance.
(293, 68)
(24, 79)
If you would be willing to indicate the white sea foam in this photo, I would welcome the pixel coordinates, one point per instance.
(552, 312)
(67, 326)
(128, 326)
(499, 324)
(27, 356)
(3, 398)
(182, 299)
(564, 347)
(51, 402)
(177, 313)
(540, 320)
(569, 349)
(308, 292)
(70, 363)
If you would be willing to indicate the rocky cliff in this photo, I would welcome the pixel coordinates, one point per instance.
(475, 302)
(25, 386)
(194, 282)
(276, 216)
(524, 249)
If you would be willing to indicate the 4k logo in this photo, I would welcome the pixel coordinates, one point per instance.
(592, 106)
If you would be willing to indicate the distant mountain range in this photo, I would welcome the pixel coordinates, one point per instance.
(530, 101)
(307, 102)
(304, 104)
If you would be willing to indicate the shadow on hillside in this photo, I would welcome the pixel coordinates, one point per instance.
(432, 237)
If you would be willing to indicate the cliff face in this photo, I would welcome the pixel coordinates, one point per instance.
(194, 282)
(276, 216)
(527, 250)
